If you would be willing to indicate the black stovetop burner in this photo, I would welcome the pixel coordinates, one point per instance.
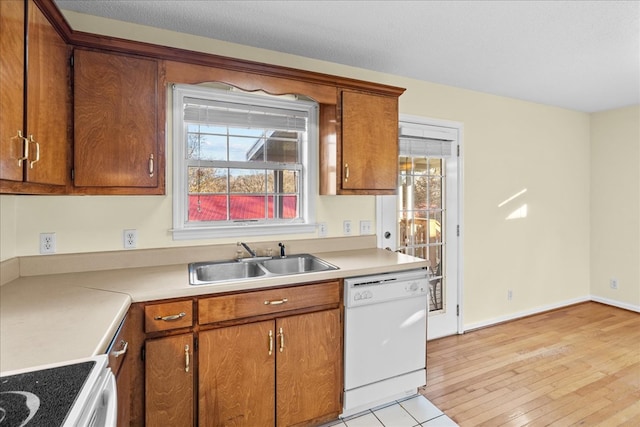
(43, 397)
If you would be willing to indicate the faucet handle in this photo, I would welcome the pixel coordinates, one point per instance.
(282, 253)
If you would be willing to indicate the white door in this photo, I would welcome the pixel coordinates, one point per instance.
(424, 218)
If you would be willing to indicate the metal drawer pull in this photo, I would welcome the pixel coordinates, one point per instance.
(270, 342)
(25, 143)
(151, 167)
(119, 353)
(281, 341)
(37, 151)
(346, 172)
(170, 318)
(276, 302)
(186, 358)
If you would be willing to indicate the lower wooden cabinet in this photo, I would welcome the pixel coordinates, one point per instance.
(285, 370)
(123, 385)
(169, 381)
(122, 365)
(237, 375)
(309, 368)
(268, 357)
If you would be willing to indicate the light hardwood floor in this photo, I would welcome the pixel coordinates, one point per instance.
(578, 365)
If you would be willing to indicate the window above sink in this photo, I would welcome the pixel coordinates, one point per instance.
(244, 163)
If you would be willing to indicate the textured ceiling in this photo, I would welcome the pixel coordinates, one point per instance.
(580, 55)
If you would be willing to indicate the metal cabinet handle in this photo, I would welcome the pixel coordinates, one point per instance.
(346, 172)
(276, 302)
(33, 141)
(25, 149)
(171, 317)
(124, 344)
(151, 166)
(270, 342)
(186, 358)
(281, 334)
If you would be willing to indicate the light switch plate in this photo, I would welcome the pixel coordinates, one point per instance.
(365, 227)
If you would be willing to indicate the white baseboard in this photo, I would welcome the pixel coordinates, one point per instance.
(536, 310)
(615, 303)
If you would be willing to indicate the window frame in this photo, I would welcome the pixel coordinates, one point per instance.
(183, 229)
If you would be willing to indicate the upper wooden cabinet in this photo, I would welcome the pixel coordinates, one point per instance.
(359, 143)
(118, 144)
(367, 146)
(34, 147)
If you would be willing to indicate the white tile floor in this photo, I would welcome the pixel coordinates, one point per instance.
(412, 412)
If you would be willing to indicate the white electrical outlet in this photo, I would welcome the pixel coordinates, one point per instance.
(509, 295)
(613, 283)
(130, 239)
(346, 227)
(365, 227)
(47, 243)
(323, 229)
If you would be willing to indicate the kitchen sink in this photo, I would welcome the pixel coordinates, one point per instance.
(203, 273)
(208, 272)
(294, 264)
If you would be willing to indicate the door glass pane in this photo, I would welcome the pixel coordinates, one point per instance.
(421, 213)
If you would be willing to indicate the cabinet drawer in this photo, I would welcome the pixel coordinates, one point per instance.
(169, 315)
(229, 307)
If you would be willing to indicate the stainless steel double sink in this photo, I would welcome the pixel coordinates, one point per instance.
(204, 273)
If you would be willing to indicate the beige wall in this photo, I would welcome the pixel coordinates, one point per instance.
(509, 145)
(8, 229)
(615, 205)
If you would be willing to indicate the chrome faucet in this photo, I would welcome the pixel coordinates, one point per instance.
(248, 249)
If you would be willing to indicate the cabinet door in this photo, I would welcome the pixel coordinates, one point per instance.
(369, 144)
(309, 368)
(11, 87)
(236, 375)
(121, 364)
(123, 385)
(116, 120)
(169, 381)
(48, 102)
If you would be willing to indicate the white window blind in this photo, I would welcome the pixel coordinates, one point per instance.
(249, 166)
(426, 141)
(205, 111)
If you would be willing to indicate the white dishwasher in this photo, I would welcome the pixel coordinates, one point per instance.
(385, 342)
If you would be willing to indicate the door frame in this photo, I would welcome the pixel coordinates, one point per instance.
(459, 127)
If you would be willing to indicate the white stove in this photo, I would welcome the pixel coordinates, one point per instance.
(78, 393)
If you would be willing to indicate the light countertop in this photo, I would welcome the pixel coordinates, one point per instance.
(48, 321)
(57, 317)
